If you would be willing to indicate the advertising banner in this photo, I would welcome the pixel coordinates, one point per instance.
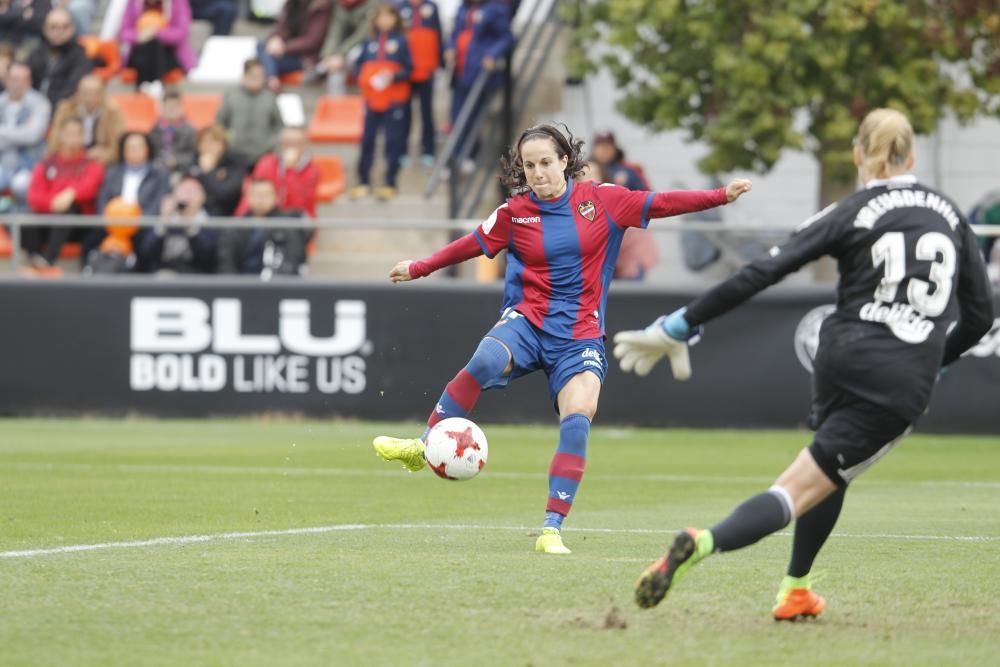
(196, 348)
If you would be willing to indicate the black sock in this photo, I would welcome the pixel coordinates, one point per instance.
(811, 531)
(755, 519)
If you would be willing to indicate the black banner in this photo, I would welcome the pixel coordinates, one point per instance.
(195, 348)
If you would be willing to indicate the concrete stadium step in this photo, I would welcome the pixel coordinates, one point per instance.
(370, 253)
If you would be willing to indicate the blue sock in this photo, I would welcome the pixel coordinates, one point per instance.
(567, 467)
(460, 395)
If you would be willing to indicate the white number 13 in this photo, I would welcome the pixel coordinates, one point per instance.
(890, 249)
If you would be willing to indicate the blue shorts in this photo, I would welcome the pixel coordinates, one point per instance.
(534, 349)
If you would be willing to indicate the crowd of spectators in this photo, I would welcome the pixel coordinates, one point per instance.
(64, 148)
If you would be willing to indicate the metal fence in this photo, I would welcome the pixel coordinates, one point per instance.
(16, 222)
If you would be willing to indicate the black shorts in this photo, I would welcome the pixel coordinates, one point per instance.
(852, 434)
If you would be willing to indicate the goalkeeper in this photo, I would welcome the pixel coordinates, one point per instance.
(909, 270)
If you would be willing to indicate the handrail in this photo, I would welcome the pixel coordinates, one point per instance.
(460, 128)
(672, 224)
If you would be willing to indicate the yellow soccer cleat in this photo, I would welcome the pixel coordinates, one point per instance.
(408, 451)
(550, 542)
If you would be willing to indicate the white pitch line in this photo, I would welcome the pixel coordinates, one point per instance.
(216, 537)
(293, 471)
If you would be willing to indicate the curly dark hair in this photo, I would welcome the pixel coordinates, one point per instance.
(566, 146)
(150, 148)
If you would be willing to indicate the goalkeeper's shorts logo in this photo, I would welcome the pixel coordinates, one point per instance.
(807, 335)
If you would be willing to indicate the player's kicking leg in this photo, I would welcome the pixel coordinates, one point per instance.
(491, 361)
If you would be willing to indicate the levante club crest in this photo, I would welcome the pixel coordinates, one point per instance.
(587, 210)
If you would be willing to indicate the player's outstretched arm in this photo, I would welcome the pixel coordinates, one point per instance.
(455, 252)
(680, 202)
(668, 336)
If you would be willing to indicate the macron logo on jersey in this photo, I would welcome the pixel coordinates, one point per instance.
(526, 220)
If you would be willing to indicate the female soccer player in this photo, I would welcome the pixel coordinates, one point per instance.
(562, 239)
(909, 269)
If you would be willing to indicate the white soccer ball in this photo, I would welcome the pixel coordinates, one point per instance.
(456, 449)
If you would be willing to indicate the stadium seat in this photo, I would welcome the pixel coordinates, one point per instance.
(172, 77)
(69, 250)
(6, 246)
(105, 51)
(292, 78)
(293, 112)
(139, 110)
(200, 110)
(222, 59)
(337, 120)
(331, 177)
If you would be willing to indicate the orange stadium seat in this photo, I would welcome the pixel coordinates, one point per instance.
(6, 246)
(170, 78)
(292, 78)
(139, 110)
(331, 177)
(105, 51)
(337, 120)
(69, 250)
(200, 110)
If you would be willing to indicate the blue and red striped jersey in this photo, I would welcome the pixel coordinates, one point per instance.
(562, 253)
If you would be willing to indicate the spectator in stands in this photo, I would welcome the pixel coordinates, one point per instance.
(21, 20)
(480, 40)
(136, 178)
(24, 119)
(263, 252)
(249, 113)
(220, 13)
(155, 35)
(383, 72)
(7, 56)
(66, 182)
(103, 122)
(219, 170)
(607, 153)
(638, 253)
(173, 137)
(58, 63)
(349, 27)
(190, 248)
(82, 12)
(423, 26)
(292, 172)
(296, 39)
(987, 212)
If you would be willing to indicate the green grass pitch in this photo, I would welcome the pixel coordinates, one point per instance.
(407, 569)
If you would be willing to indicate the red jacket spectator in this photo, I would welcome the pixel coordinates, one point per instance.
(292, 172)
(56, 173)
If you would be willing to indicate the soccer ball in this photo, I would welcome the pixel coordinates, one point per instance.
(456, 449)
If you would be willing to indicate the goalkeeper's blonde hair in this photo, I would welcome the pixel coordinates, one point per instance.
(886, 141)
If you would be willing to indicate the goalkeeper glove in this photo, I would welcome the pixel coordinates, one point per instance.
(669, 336)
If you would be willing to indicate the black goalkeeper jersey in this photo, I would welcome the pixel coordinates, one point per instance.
(909, 269)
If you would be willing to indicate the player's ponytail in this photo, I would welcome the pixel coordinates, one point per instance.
(886, 141)
(512, 176)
